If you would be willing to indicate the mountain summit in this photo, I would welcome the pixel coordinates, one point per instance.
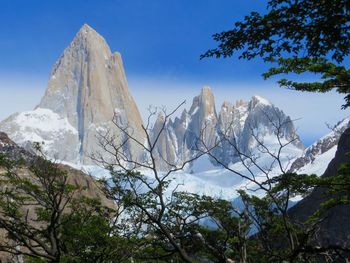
(87, 95)
(86, 87)
(235, 128)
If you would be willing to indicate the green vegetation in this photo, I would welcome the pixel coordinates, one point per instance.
(300, 36)
(44, 218)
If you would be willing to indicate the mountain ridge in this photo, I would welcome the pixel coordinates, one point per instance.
(86, 88)
(87, 95)
(316, 157)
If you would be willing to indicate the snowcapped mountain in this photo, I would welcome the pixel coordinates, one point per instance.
(86, 88)
(87, 91)
(243, 128)
(56, 135)
(317, 156)
(87, 95)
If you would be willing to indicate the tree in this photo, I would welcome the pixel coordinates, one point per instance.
(300, 36)
(166, 224)
(270, 188)
(46, 218)
(171, 224)
(175, 225)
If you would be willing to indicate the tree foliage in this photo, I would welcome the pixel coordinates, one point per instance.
(300, 36)
(45, 218)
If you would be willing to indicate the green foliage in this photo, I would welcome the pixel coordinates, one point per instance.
(33, 260)
(337, 188)
(306, 36)
(143, 230)
(332, 76)
(50, 219)
(86, 234)
(212, 229)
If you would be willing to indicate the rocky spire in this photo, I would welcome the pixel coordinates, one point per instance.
(203, 118)
(165, 150)
(232, 128)
(264, 120)
(86, 87)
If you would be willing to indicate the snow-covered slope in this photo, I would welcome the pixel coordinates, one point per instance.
(87, 105)
(54, 132)
(240, 128)
(316, 157)
(202, 177)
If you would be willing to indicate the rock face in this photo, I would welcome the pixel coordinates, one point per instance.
(233, 128)
(264, 121)
(203, 122)
(317, 156)
(335, 229)
(87, 86)
(12, 150)
(87, 89)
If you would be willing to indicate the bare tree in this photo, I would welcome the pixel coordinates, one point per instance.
(166, 217)
(144, 195)
(174, 221)
(280, 237)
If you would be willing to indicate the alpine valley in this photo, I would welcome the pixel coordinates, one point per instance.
(87, 98)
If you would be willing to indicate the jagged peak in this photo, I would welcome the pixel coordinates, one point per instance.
(226, 105)
(87, 30)
(89, 38)
(86, 27)
(241, 103)
(206, 91)
(184, 114)
(182, 118)
(205, 100)
(258, 100)
(261, 100)
(161, 117)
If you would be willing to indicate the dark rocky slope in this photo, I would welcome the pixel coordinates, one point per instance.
(335, 229)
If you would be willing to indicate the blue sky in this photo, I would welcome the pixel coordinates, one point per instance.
(160, 41)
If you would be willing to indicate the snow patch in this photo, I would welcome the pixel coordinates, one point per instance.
(205, 178)
(262, 100)
(195, 110)
(43, 126)
(43, 120)
(320, 163)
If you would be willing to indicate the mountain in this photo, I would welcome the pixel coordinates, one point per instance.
(334, 230)
(87, 105)
(316, 157)
(87, 88)
(244, 127)
(12, 150)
